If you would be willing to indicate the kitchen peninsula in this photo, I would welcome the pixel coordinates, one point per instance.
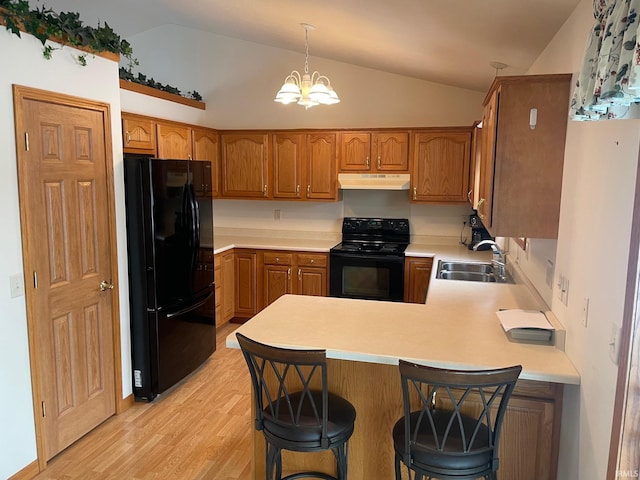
(456, 328)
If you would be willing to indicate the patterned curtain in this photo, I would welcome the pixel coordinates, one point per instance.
(609, 82)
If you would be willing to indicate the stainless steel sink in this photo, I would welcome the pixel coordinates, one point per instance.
(471, 271)
(480, 267)
(471, 276)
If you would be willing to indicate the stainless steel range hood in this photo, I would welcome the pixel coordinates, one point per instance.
(374, 181)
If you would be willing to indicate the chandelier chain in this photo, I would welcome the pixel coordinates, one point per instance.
(306, 50)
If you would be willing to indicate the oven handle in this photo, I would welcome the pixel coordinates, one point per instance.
(387, 258)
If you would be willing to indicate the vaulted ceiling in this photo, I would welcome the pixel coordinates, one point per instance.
(446, 41)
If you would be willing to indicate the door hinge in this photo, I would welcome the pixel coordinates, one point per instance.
(44, 410)
(35, 279)
(26, 141)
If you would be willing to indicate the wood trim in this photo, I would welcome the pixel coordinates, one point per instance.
(125, 404)
(154, 92)
(27, 472)
(624, 445)
(21, 93)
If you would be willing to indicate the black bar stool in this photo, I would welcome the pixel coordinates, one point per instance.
(456, 430)
(294, 410)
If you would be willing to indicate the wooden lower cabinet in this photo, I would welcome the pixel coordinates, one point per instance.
(225, 287)
(302, 273)
(246, 277)
(417, 273)
(529, 441)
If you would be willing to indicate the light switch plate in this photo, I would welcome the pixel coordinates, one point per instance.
(16, 284)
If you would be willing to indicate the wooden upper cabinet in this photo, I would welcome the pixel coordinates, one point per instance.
(374, 151)
(138, 134)
(390, 151)
(174, 141)
(289, 153)
(355, 151)
(441, 161)
(321, 175)
(521, 167)
(245, 165)
(206, 146)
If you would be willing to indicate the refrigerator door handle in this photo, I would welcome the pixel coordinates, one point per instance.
(195, 306)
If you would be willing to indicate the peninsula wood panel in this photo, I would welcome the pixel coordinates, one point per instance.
(529, 437)
(246, 286)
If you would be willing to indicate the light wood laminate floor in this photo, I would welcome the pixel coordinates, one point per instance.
(200, 429)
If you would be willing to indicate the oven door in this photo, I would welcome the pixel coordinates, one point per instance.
(371, 277)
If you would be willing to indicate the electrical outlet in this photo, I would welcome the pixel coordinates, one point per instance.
(585, 312)
(16, 283)
(614, 343)
(563, 289)
(276, 214)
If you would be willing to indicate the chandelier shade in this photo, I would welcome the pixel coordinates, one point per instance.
(307, 89)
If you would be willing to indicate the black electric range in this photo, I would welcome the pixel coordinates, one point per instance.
(369, 262)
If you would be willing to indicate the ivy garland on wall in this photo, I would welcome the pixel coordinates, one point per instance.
(66, 28)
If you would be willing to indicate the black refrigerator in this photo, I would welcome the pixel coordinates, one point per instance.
(169, 237)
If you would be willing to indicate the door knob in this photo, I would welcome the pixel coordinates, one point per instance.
(104, 285)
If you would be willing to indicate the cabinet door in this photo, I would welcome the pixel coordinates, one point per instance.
(245, 165)
(228, 285)
(206, 147)
(355, 151)
(312, 281)
(474, 167)
(246, 304)
(288, 155)
(174, 141)
(487, 160)
(417, 273)
(138, 134)
(526, 450)
(277, 282)
(390, 151)
(321, 167)
(441, 166)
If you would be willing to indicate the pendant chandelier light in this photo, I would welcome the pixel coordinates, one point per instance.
(307, 90)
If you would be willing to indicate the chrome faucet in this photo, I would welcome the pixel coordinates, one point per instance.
(498, 256)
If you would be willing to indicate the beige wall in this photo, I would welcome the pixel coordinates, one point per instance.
(24, 65)
(239, 80)
(592, 249)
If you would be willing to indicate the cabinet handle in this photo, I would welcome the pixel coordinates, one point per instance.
(480, 202)
(415, 193)
(311, 261)
(379, 162)
(299, 274)
(469, 195)
(368, 165)
(277, 259)
(308, 190)
(189, 157)
(297, 188)
(289, 273)
(264, 190)
(127, 138)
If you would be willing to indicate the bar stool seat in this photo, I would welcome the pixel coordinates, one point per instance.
(454, 433)
(294, 409)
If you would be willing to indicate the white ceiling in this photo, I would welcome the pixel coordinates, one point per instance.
(445, 41)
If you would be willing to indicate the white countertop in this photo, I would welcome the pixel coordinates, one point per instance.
(450, 330)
